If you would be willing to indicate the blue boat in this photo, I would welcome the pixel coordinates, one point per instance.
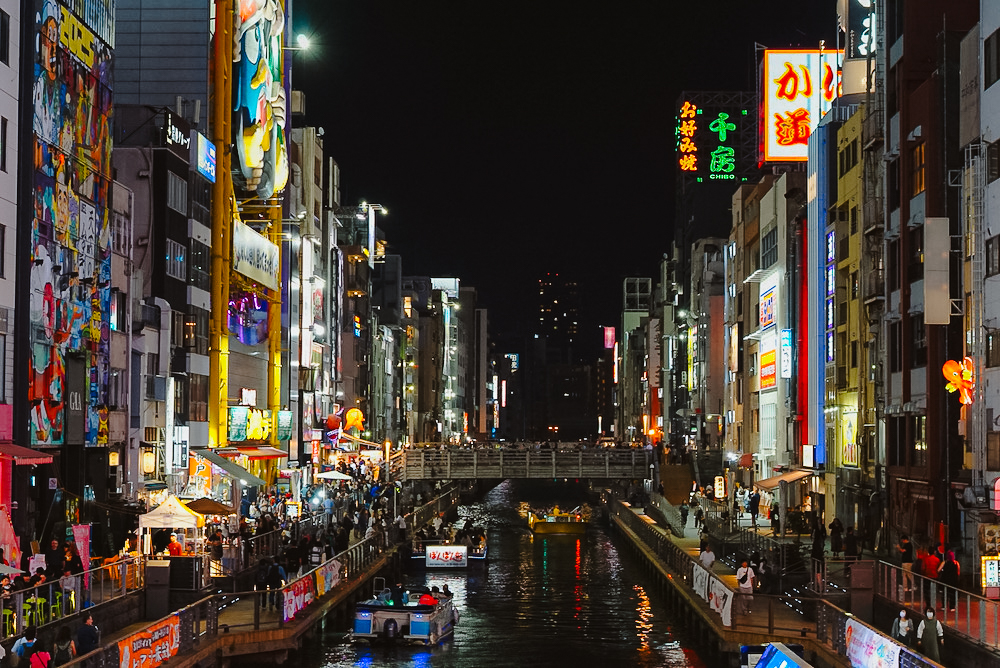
(379, 620)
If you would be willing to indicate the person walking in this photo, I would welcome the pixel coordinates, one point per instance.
(930, 572)
(902, 628)
(64, 649)
(948, 572)
(745, 579)
(699, 516)
(905, 548)
(753, 507)
(836, 537)
(707, 558)
(930, 636)
(685, 510)
(851, 545)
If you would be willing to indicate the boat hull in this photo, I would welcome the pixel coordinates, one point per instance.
(559, 527)
(420, 625)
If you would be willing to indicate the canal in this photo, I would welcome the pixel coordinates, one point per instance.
(539, 601)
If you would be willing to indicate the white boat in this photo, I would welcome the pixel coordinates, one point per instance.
(379, 619)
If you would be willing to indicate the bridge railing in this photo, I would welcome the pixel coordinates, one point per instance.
(200, 622)
(448, 463)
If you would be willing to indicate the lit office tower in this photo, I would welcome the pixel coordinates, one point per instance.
(559, 317)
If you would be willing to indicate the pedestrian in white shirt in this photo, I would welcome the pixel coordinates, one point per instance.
(707, 558)
(745, 579)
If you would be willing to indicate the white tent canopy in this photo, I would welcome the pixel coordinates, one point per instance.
(171, 514)
(333, 475)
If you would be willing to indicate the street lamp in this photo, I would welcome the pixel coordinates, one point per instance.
(302, 42)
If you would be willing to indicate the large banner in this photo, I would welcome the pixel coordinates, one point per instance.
(721, 599)
(699, 581)
(297, 596)
(869, 649)
(327, 576)
(81, 536)
(152, 646)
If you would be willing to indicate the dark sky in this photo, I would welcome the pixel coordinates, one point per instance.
(509, 139)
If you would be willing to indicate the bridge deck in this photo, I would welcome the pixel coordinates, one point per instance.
(435, 464)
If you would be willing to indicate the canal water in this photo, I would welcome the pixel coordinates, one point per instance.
(538, 601)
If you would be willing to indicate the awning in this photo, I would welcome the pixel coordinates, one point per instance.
(23, 455)
(229, 467)
(254, 452)
(790, 476)
(746, 460)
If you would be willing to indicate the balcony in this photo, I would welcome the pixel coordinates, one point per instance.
(874, 288)
(874, 216)
(872, 130)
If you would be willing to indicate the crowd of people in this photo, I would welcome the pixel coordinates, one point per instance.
(30, 650)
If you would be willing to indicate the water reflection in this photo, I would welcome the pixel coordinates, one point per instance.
(543, 600)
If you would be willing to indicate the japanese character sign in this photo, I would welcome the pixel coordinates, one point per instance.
(799, 87)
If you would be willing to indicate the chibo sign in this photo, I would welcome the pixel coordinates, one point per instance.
(450, 556)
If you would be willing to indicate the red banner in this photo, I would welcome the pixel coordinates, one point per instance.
(297, 596)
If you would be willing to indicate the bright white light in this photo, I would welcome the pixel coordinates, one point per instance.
(319, 329)
(302, 41)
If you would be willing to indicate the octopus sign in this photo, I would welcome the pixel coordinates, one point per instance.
(961, 377)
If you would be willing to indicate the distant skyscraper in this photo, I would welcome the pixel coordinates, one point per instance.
(559, 317)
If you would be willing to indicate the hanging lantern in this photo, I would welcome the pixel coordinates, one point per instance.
(148, 462)
(961, 377)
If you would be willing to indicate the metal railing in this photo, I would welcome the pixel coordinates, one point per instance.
(974, 617)
(51, 602)
(200, 622)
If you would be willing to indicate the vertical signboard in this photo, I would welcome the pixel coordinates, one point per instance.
(799, 86)
(69, 251)
(786, 353)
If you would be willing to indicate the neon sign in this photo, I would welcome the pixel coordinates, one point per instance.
(705, 142)
(961, 377)
(800, 86)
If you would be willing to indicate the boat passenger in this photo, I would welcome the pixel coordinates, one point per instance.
(427, 599)
(446, 591)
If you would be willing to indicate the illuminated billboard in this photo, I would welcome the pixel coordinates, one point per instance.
(69, 328)
(768, 362)
(609, 338)
(715, 135)
(799, 86)
(259, 105)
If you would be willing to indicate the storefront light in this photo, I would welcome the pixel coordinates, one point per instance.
(148, 462)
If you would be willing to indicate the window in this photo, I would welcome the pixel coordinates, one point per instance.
(919, 339)
(4, 38)
(200, 258)
(993, 351)
(3, 144)
(919, 452)
(198, 408)
(895, 347)
(854, 220)
(918, 170)
(769, 248)
(991, 60)
(993, 256)
(177, 193)
(892, 265)
(993, 451)
(992, 162)
(176, 264)
(915, 270)
(119, 310)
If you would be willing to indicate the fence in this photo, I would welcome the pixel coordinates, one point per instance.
(54, 600)
(975, 617)
(200, 622)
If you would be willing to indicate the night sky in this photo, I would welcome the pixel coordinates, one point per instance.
(517, 138)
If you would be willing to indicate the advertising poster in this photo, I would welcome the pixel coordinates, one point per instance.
(868, 649)
(447, 556)
(327, 576)
(297, 596)
(81, 536)
(151, 646)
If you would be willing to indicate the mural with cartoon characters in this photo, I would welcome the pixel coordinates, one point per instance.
(259, 97)
(70, 235)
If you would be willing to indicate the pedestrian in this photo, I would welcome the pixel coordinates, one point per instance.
(930, 572)
(63, 649)
(836, 537)
(819, 563)
(260, 580)
(707, 558)
(775, 519)
(25, 643)
(948, 572)
(851, 545)
(902, 628)
(702, 541)
(930, 636)
(905, 548)
(745, 579)
(276, 578)
(88, 636)
(685, 510)
(753, 507)
(699, 516)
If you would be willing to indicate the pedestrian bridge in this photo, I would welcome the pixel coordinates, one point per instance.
(496, 463)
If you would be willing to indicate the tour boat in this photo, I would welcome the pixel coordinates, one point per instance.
(378, 620)
(557, 522)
